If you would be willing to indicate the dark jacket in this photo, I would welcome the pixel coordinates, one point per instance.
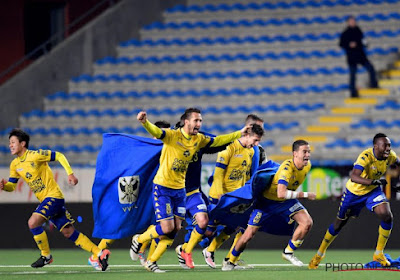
(357, 54)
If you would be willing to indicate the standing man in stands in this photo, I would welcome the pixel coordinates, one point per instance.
(353, 42)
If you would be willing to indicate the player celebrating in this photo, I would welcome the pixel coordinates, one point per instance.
(169, 183)
(280, 202)
(363, 189)
(33, 167)
(233, 170)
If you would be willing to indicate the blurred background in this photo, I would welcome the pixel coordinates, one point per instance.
(72, 70)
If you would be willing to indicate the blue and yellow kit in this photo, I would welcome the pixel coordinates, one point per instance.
(233, 169)
(33, 168)
(372, 168)
(288, 175)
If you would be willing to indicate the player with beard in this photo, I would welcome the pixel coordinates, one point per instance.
(169, 183)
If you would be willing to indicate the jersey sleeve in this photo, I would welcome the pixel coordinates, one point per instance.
(362, 161)
(220, 168)
(393, 159)
(45, 155)
(284, 174)
(14, 176)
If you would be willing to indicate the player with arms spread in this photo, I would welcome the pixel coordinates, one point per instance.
(169, 183)
(364, 189)
(33, 167)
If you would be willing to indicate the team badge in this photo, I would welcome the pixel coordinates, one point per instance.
(128, 189)
(186, 153)
(28, 175)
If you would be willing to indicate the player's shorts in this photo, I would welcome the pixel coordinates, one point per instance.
(53, 209)
(275, 217)
(168, 203)
(195, 204)
(351, 204)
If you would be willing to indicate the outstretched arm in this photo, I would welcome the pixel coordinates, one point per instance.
(283, 192)
(227, 138)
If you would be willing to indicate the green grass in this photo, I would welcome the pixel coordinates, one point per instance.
(72, 264)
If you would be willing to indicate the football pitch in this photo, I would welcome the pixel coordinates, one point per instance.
(72, 264)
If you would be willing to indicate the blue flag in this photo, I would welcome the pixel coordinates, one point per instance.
(122, 188)
(234, 208)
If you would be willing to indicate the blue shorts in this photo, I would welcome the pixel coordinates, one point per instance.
(168, 203)
(275, 217)
(195, 204)
(351, 204)
(53, 209)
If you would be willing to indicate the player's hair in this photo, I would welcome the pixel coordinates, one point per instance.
(21, 135)
(349, 17)
(188, 113)
(253, 118)
(256, 129)
(377, 136)
(298, 143)
(162, 124)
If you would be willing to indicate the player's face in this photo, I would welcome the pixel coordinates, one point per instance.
(193, 124)
(16, 147)
(252, 140)
(302, 156)
(382, 148)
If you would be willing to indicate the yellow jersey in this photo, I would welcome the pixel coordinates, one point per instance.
(288, 175)
(34, 169)
(178, 151)
(233, 169)
(372, 168)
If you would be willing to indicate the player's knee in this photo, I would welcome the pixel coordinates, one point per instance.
(387, 217)
(168, 228)
(202, 222)
(67, 231)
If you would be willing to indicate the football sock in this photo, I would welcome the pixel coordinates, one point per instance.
(234, 256)
(384, 234)
(40, 237)
(195, 237)
(153, 247)
(161, 248)
(218, 241)
(330, 235)
(104, 244)
(144, 246)
(82, 241)
(292, 246)
(151, 233)
(238, 235)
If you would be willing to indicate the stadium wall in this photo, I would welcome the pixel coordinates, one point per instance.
(360, 233)
(75, 56)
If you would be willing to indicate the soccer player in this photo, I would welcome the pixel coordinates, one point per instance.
(106, 243)
(33, 167)
(169, 183)
(232, 171)
(280, 200)
(196, 207)
(364, 189)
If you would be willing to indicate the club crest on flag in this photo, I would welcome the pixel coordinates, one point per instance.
(128, 189)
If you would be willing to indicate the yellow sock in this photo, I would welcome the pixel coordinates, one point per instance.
(161, 248)
(383, 237)
(144, 246)
(148, 235)
(293, 243)
(195, 238)
(238, 235)
(185, 244)
(233, 259)
(43, 243)
(86, 244)
(328, 239)
(218, 241)
(104, 244)
(153, 247)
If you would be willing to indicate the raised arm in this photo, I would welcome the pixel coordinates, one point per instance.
(227, 138)
(151, 128)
